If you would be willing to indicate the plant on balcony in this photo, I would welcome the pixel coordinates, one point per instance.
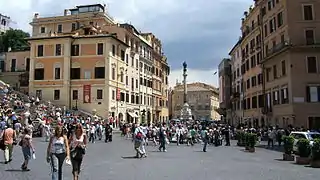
(304, 151)
(252, 140)
(315, 154)
(288, 148)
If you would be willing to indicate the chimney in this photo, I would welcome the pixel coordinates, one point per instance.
(65, 12)
(36, 15)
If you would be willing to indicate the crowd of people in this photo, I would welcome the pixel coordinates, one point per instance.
(24, 117)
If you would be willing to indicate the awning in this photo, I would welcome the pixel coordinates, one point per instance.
(133, 115)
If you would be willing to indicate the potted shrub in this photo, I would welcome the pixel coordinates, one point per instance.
(240, 137)
(288, 148)
(252, 140)
(304, 151)
(246, 142)
(315, 154)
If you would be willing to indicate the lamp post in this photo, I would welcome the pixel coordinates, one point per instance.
(143, 116)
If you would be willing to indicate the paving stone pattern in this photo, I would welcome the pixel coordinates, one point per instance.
(113, 161)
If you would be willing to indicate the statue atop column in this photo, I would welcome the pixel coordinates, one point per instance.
(185, 82)
(185, 111)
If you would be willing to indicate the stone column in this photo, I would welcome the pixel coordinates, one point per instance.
(185, 82)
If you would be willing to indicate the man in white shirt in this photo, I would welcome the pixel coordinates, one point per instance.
(139, 136)
(92, 133)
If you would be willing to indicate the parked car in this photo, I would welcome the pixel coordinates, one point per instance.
(305, 135)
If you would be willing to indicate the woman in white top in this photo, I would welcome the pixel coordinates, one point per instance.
(57, 152)
(78, 143)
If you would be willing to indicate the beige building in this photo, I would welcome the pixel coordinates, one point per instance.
(203, 100)
(16, 70)
(84, 59)
(285, 46)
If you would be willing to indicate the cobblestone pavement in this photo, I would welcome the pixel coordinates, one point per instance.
(113, 161)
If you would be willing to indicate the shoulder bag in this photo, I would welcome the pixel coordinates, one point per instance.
(2, 145)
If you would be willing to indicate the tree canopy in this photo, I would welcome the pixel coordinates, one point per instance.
(14, 39)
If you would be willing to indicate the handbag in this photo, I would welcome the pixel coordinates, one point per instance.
(2, 145)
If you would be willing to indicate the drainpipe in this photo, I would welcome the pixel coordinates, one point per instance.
(70, 85)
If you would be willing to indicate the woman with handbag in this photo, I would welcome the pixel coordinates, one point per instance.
(26, 146)
(57, 152)
(78, 143)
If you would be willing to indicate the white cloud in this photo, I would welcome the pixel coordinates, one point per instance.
(194, 75)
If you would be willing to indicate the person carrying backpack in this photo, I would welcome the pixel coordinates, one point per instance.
(138, 142)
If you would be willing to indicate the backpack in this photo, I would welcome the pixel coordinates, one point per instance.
(139, 135)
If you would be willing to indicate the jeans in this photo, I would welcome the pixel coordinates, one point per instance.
(137, 147)
(91, 137)
(162, 144)
(205, 143)
(57, 161)
(8, 152)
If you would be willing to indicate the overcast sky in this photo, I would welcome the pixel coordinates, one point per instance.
(200, 32)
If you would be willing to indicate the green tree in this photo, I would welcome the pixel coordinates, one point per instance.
(14, 38)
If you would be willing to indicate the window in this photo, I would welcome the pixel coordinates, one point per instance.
(280, 19)
(99, 72)
(272, 25)
(75, 49)
(309, 37)
(127, 80)
(313, 93)
(253, 61)
(73, 26)
(122, 55)
(137, 83)
(121, 78)
(127, 58)
(42, 30)
(127, 97)
(275, 95)
(13, 65)
(75, 73)
(99, 93)
(248, 83)
(265, 30)
(260, 101)
(60, 28)
(253, 81)
(40, 50)
(283, 68)
(113, 73)
(39, 74)
(254, 102)
(268, 70)
(284, 95)
(308, 12)
(57, 73)
(312, 65)
(113, 50)
(28, 64)
(58, 49)
(100, 49)
(113, 95)
(75, 95)
(275, 72)
(87, 74)
(39, 94)
(56, 95)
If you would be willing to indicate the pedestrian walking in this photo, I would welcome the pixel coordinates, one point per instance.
(27, 148)
(7, 137)
(138, 143)
(78, 143)
(57, 152)
(205, 139)
(162, 138)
